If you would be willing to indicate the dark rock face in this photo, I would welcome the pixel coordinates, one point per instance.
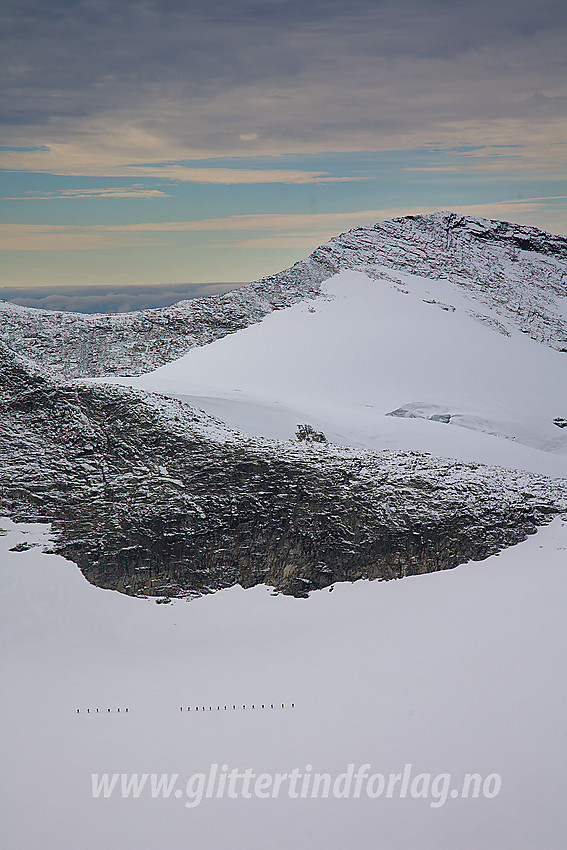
(150, 496)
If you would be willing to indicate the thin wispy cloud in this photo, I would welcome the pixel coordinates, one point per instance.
(300, 230)
(174, 172)
(74, 194)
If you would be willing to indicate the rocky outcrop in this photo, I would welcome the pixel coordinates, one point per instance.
(79, 345)
(150, 496)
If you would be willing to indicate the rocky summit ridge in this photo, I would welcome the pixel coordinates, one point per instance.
(518, 271)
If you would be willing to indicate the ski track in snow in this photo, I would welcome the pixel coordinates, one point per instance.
(459, 671)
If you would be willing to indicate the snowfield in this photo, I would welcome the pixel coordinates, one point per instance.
(454, 672)
(367, 347)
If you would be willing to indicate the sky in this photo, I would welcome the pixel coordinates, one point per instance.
(202, 141)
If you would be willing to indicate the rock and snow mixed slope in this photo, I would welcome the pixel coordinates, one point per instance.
(382, 365)
(429, 353)
(150, 495)
(450, 673)
(518, 272)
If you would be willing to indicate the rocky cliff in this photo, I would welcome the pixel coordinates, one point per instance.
(151, 496)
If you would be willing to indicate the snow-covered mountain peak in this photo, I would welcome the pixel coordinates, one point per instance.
(517, 271)
(423, 348)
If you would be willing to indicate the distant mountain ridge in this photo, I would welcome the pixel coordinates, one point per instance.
(515, 269)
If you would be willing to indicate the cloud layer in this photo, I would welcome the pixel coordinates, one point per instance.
(109, 299)
(225, 139)
(140, 82)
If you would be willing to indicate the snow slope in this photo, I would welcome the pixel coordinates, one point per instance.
(452, 672)
(368, 347)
